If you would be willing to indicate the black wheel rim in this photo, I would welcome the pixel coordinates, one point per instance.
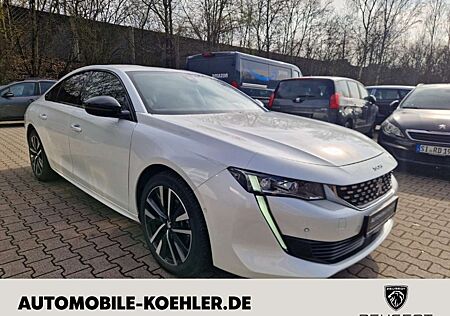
(36, 155)
(167, 225)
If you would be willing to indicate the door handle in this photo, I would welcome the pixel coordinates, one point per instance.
(43, 116)
(76, 128)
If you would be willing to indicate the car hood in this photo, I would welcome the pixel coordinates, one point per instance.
(429, 120)
(283, 136)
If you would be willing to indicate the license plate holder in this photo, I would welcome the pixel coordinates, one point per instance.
(374, 222)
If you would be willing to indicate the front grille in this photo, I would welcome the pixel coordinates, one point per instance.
(363, 193)
(326, 252)
(443, 138)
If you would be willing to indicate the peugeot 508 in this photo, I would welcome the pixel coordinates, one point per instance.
(214, 178)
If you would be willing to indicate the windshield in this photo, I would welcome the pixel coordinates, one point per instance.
(185, 93)
(431, 98)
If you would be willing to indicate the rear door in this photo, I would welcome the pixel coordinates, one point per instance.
(14, 107)
(304, 97)
(54, 115)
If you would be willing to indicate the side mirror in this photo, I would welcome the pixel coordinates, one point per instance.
(372, 99)
(259, 102)
(8, 94)
(394, 105)
(105, 106)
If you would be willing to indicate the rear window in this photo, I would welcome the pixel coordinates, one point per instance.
(305, 88)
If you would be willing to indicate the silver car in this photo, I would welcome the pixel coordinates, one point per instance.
(17, 96)
(213, 177)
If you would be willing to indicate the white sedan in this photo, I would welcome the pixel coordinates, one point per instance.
(214, 178)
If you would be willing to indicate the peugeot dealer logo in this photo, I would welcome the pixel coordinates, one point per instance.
(442, 126)
(396, 295)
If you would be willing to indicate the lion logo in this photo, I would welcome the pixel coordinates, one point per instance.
(396, 295)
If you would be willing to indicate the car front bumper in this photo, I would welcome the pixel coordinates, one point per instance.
(243, 242)
(404, 150)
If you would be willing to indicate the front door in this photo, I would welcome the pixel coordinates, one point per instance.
(100, 146)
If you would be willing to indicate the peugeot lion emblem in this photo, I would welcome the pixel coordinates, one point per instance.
(442, 126)
(379, 186)
(396, 295)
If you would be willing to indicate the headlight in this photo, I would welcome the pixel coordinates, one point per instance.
(391, 129)
(273, 185)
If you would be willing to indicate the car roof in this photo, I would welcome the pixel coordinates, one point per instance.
(390, 87)
(29, 80)
(333, 78)
(249, 56)
(126, 68)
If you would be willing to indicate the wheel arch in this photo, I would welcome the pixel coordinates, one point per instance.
(30, 128)
(151, 171)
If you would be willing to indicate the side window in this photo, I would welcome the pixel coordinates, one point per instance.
(70, 91)
(342, 88)
(105, 83)
(52, 95)
(362, 91)
(45, 85)
(279, 73)
(353, 87)
(25, 89)
(254, 72)
(403, 93)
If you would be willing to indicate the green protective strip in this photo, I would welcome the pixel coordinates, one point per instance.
(268, 217)
(255, 183)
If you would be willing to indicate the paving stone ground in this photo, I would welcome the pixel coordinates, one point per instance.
(54, 230)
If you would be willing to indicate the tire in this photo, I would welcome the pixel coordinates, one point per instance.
(178, 241)
(38, 159)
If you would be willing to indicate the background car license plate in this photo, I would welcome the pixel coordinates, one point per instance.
(433, 150)
(375, 221)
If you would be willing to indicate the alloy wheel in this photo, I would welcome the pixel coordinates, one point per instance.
(36, 155)
(167, 225)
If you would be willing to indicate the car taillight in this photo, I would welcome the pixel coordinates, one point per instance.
(334, 101)
(235, 84)
(272, 97)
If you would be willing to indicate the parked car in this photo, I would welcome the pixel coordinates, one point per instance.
(419, 130)
(212, 176)
(15, 97)
(255, 76)
(337, 100)
(385, 95)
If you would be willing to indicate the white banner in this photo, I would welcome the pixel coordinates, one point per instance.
(247, 297)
